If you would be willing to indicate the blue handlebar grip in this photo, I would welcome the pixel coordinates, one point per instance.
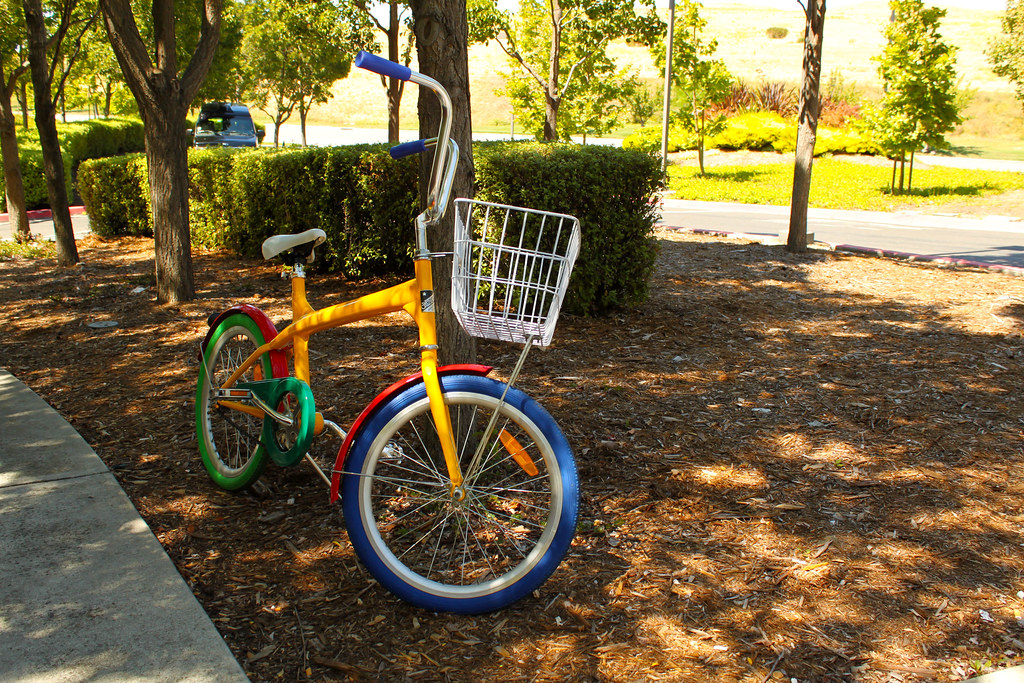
(384, 67)
(408, 148)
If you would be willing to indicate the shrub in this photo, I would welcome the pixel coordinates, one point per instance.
(649, 140)
(612, 193)
(79, 141)
(777, 32)
(367, 202)
(775, 96)
(739, 99)
(753, 130)
(115, 192)
(33, 178)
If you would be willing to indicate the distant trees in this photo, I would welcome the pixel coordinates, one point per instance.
(1006, 52)
(13, 67)
(399, 19)
(699, 80)
(918, 72)
(294, 50)
(54, 35)
(559, 48)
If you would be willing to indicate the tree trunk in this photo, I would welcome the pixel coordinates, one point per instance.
(23, 103)
(167, 158)
(910, 173)
(53, 163)
(12, 164)
(807, 130)
(551, 95)
(303, 112)
(441, 44)
(163, 95)
(395, 85)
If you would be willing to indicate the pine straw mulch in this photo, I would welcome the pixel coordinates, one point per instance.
(793, 467)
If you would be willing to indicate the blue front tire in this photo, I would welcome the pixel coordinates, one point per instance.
(502, 539)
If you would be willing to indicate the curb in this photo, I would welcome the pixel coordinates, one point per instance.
(855, 249)
(37, 214)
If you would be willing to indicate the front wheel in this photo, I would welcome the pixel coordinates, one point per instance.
(494, 542)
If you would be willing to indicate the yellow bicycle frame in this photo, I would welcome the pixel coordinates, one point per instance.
(411, 297)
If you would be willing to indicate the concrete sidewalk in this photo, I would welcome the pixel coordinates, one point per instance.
(88, 593)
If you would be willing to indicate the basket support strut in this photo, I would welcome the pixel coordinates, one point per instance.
(485, 439)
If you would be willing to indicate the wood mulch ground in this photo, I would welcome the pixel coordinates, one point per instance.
(793, 467)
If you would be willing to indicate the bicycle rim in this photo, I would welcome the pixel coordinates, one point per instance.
(462, 549)
(230, 439)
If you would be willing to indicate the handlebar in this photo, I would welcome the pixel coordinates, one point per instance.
(409, 148)
(446, 152)
(384, 67)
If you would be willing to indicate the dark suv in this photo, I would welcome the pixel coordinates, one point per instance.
(226, 125)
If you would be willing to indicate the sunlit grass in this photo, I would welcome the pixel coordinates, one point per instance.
(837, 184)
(32, 250)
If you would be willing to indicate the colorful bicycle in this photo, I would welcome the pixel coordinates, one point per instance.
(459, 492)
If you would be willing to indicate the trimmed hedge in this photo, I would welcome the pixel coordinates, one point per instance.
(79, 141)
(366, 202)
(613, 194)
(116, 195)
(363, 199)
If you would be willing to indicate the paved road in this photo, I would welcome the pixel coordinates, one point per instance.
(40, 223)
(993, 241)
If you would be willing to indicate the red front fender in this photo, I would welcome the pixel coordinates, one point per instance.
(278, 359)
(381, 399)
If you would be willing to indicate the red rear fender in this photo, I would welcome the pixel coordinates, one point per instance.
(384, 397)
(278, 359)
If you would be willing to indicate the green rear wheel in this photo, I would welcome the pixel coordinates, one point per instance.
(229, 440)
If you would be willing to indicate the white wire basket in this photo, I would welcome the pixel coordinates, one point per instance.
(511, 270)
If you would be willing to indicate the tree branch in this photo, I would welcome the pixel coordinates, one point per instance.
(512, 52)
(572, 70)
(209, 37)
(86, 26)
(128, 47)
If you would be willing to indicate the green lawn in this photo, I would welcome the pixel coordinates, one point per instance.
(838, 184)
(1005, 147)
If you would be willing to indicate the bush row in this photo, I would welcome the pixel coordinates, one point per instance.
(366, 202)
(764, 131)
(79, 141)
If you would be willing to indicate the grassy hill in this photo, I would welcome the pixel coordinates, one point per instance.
(853, 36)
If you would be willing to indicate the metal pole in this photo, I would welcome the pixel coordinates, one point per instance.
(668, 84)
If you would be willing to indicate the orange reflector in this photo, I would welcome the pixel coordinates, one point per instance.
(518, 453)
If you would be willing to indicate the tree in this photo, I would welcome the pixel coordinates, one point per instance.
(398, 19)
(13, 66)
(638, 99)
(593, 107)
(442, 52)
(807, 125)
(699, 80)
(97, 77)
(294, 51)
(561, 44)
(918, 72)
(163, 93)
(50, 60)
(1006, 52)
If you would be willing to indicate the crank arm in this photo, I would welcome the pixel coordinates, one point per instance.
(224, 397)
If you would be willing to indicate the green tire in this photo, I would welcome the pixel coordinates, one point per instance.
(229, 440)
